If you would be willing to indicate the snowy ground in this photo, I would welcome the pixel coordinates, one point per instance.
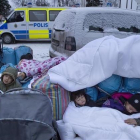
(40, 49)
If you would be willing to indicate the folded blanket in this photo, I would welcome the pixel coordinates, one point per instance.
(91, 123)
(97, 61)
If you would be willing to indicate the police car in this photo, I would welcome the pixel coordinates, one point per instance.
(29, 23)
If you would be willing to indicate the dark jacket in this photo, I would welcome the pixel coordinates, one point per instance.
(90, 102)
(14, 84)
(138, 121)
(117, 104)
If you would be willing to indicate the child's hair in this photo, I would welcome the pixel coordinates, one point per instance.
(27, 56)
(135, 101)
(77, 94)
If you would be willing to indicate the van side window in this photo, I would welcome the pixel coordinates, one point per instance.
(93, 22)
(17, 16)
(131, 29)
(107, 21)
(95, 28)
(138, 21)
(126, 23)
(37, 15)
(53, 14)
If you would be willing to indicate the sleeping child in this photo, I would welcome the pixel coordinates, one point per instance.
(127, 103)
(80, 98)
(124, 102)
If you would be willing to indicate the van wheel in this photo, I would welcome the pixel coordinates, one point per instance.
(8, 38)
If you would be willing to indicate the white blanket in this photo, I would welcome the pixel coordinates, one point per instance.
(93, 123)
(97, 61)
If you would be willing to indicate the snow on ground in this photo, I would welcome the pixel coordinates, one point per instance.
(40, 49)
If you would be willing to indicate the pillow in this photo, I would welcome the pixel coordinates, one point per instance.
(132, 84)
(92, 92)
(8, 56)
(112, 84)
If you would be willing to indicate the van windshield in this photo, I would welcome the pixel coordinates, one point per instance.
(65, 20)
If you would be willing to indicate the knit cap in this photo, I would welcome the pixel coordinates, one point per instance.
(135, 101)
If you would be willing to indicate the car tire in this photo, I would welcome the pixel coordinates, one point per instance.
(7, 38)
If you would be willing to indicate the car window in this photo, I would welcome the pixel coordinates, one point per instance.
(125, 22)
(53, 14)
(107, 21)
(17, 16)
(65, 20)
(37, 15)
(93, 22)
(138, 21)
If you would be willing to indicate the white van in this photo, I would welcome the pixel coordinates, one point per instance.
(76, 27)
(26, 23)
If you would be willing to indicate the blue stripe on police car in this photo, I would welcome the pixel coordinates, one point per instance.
(40, 24)
(3, 26)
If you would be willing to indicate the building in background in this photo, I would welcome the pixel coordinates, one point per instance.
(111, 3)
(125, 4)
(90, 3)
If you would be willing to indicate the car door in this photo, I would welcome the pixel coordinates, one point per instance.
(17, 25)
(38, 25)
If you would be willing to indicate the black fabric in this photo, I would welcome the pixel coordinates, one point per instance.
(89, 102)
(138, 121)
(123, 101)
(135, 101)
(25, 115)
(27, 56)
(100, 102)
(25, 80)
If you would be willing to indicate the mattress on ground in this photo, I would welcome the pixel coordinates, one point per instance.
(66, 132)
(58, 95)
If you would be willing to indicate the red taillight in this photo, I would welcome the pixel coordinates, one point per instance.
(70, 44)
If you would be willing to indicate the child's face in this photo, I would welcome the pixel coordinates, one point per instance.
(81, 100)
(7, 79)
(130, 108)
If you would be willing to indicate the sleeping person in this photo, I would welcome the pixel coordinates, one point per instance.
(125, 105)
(80, 98)
(32, 67)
